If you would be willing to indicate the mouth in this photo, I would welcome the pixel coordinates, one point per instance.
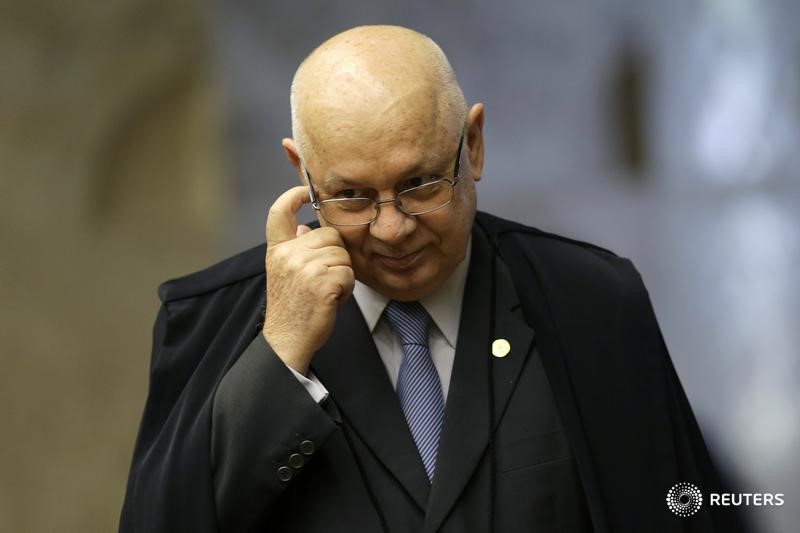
(403, 262)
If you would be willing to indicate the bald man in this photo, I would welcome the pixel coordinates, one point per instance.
(408, 364)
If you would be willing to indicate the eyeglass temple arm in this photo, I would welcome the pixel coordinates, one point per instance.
(457, 169)
(311, 192)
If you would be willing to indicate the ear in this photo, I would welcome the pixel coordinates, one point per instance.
(475, 140)
(294, 158)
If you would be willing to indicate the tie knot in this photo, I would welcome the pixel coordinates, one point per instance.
(410, 321)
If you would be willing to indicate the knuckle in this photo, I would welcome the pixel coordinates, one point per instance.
(344, 278)
(338, 255)
(296, 263)
(285, 258)
(312, 269)
(276, 254)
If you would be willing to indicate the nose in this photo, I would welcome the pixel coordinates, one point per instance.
(392, 226)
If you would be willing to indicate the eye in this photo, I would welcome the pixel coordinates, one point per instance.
(351, 193)
(346, 193)
(416, 182)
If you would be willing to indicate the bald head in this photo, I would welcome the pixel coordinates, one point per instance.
(371, 82)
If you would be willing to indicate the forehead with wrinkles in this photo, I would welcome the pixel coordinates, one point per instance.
(371, 84)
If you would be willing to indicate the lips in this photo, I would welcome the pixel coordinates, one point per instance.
(399, 262)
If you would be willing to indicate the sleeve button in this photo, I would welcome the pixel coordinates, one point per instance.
(284, 473)
(296, 460)
(307, 447)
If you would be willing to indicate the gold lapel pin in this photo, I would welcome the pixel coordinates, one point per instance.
(500, 348)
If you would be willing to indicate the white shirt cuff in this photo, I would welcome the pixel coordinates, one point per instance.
(312, 385)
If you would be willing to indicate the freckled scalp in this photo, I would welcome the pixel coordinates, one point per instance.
(374, 81)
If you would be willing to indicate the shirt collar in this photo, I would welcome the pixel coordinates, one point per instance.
(443, 304)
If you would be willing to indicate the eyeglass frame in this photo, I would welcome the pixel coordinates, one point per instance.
(316, 203)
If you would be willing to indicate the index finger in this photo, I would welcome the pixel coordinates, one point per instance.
(281, 222)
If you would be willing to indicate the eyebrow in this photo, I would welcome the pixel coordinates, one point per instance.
(338, 182)
(418, 170)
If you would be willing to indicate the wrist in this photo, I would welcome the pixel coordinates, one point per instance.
(288, 352)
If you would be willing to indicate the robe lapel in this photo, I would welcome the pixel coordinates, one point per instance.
(537, 312)
(466, 422)
(351, 369)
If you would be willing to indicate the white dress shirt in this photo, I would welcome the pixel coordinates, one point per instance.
(444, 307)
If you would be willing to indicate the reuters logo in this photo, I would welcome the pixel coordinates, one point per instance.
(684, 499)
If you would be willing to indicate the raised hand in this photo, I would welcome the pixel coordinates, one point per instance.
(309, 275)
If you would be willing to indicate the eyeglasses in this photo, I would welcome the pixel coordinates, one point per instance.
(413, 201)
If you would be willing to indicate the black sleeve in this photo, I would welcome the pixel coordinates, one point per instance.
(265, 429)
(692, 460)
(262, 413)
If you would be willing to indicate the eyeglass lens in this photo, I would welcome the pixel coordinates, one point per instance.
(415, 201)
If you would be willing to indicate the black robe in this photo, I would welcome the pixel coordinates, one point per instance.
(587, 398)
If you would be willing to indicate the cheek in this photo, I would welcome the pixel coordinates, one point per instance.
(443, 232)
(456, 219)
(455, 227)
(354, 241)
(467, 199)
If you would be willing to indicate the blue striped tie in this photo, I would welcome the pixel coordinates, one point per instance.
(418, 385)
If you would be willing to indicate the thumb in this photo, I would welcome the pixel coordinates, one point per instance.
(281, 222)
(302, 229)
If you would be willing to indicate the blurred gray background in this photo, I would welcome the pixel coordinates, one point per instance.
(140, 140)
